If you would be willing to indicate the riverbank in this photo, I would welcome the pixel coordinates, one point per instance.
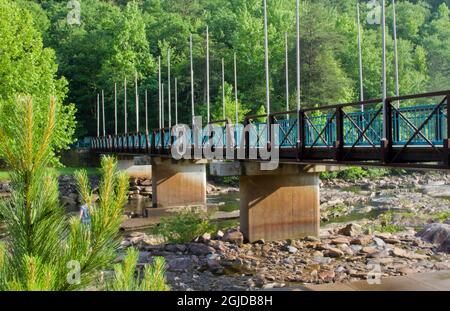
(372, 227)
(389, 226)
(224, 263)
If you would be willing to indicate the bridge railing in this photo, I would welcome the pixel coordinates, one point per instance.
(407, 128)
(419, 126)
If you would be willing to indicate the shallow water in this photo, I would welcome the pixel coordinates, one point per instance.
(227, 202)
(355, 216)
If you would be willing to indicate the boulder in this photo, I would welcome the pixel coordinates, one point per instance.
(327, 275)
(146, 182)
(179, 264)
(445, 246)
(340, 240)
(292, 249)
(200, 249)
(351, 230)
(399, 252)
(368, 250)
(334, 252)
(362, 240)
(234, 237)
(435, 233)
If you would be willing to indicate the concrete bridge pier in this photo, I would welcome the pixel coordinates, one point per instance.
(279, 204)
(178, 183)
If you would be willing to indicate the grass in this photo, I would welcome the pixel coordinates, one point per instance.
(91, 171)
(441, 216)
(387, 225)
(388, 228)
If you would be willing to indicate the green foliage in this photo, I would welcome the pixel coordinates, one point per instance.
(130, 35)
(125, 278)
(352, 174)
(355, 173)
(441, 216)
(28, 68)
(230, 106)
(184, 226)
(231, 180)
(386, 224)
(328, 175)
(227, 224)
(45, 249)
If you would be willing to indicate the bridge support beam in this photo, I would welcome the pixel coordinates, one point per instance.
(280, 204)
(178, 183)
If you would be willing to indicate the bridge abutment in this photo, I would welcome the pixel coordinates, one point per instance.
(178, 183)
(279, 204)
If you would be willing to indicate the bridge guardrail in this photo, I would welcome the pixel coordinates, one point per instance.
(339, 133)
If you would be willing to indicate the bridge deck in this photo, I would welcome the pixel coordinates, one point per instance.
(417, 134)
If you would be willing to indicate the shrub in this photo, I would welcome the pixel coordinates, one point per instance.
(353, 173)
(184, 226)
(328, 175)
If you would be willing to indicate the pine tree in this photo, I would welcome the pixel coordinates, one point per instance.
(47, 250)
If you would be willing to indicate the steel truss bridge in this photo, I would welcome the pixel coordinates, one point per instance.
(406, 132)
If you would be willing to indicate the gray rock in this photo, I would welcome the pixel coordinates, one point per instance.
(179, 264)
(437, 190)
(445, 246)
(334, 252)
(322, 260)
(200, 249)
(399, 252)
(234, 237)
(146, 182)
(214, 265)
(435, 233)
(379, 242)
(292, 249)
(351, 230)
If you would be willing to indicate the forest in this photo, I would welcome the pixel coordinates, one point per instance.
(111, 40)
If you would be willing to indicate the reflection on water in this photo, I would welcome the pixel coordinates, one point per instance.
(224, 203)
(137, 208)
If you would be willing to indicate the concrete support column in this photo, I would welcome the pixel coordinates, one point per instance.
(280, 204)
(178, 183)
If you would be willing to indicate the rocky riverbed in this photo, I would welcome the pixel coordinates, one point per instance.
(391, 203)
(342, 254)
(388, 226)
